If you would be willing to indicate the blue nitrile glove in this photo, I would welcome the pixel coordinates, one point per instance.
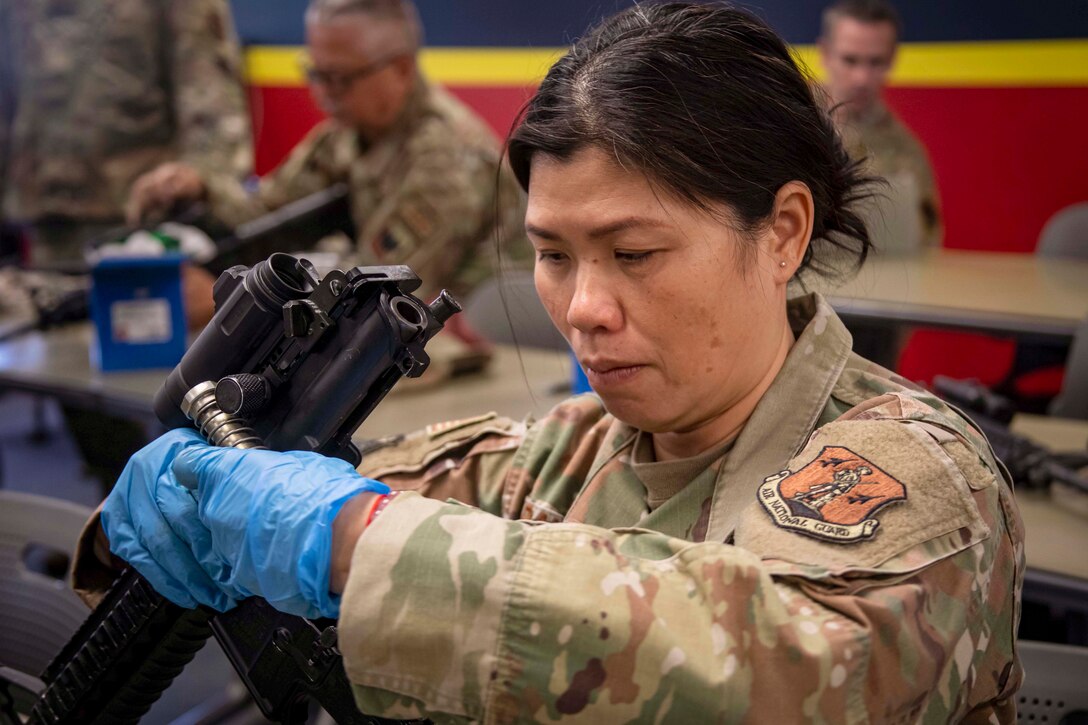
(151, 522)
(269, 518)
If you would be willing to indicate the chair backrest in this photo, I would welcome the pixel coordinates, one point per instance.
(1055, 682)
(40, 611)
(506, 309)
(1072, 401)
(1066, 233)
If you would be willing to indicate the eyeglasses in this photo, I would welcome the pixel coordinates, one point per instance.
(338, 81)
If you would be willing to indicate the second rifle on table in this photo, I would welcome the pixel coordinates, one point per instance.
(1030, 464)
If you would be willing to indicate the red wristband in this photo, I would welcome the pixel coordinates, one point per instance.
(368, 514)
(378, 507)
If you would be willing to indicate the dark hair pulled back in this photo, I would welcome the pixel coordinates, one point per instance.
(708, 101)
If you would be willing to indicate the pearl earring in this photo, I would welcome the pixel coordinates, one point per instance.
(781, 264)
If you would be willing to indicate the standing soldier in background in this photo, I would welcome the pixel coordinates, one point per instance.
(95, 94)
(105, 91)
(857, 49)
(428, 184)
(9, 242)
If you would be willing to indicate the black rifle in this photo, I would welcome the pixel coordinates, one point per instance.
(293, 227)
(1030, 464)
(62, 293)
(54, 298)
(288, 362)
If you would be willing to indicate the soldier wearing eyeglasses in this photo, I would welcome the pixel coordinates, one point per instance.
(425, 172)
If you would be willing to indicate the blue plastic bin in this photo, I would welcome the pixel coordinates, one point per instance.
(138, 314)
(579, 383)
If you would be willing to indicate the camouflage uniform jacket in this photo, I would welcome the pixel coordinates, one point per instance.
(8, 92)
(855, 556)
(430, 193)
(108, 90)
(893, 151)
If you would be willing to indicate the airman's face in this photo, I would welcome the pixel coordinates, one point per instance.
(857, 57)
(357, 77)
(672, 326)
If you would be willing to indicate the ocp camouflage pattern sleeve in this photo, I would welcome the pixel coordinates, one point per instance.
(213, 130)
(319, 160)
(459, 615)
(8, 86)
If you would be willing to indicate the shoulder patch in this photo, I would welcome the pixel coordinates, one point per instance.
(834, 497)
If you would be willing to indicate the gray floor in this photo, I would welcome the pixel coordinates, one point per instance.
(37, 455)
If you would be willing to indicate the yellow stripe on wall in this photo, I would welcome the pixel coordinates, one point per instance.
(1046, 63)
(488, 66)
(274, 65)
(995, 63)
(268, 65)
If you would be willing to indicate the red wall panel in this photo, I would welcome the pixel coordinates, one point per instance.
(1005, 158)
(282, 115)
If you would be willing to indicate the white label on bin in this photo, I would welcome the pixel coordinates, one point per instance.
(141, 321)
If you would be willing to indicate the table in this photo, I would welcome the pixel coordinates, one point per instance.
(1012, 294)
(56, 363)
(1056, 581)
(1057, 538)
(517, 383)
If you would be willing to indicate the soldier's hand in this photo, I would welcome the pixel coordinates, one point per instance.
(157, 192)
(197, 285)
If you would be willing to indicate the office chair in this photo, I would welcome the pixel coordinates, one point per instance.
(1065, 235)
(1072, 400)
(506, 309)
(41, 612)
(1055, 686)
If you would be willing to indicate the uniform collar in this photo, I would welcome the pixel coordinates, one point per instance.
(786, 414)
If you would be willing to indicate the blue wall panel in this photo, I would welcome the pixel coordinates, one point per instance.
(556, 22)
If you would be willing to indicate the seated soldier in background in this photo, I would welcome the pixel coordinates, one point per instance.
(857, 49)
(426, 174)
(96, 94)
